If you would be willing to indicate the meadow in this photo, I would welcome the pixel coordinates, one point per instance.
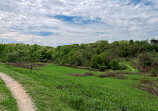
(54, 88)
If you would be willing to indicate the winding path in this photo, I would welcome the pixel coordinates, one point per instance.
(24, 101)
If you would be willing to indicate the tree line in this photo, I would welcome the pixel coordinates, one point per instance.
(101, 54)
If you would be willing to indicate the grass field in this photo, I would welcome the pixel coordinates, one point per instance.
(53, 88)
(7, 102)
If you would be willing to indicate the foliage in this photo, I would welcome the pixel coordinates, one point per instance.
(96, 61)
(88, 55)
(115, 65)
(145, 60)
(102, 67)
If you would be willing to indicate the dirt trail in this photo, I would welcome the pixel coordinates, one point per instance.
(24, 102)
(130, 67)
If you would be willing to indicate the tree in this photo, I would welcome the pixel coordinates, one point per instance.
(34, 55)
(75, 58)
(96, 61)
(145, 60)
(108, 56)
(115, 65)
(12, 57)
(124, 49)
(131, 42)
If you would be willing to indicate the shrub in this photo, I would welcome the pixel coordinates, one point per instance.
(115, 65)
(96, 61)
(102, 67)
(144, 60)
(147, 63)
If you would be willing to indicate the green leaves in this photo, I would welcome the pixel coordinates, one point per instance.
(96, 61)
(115, 65)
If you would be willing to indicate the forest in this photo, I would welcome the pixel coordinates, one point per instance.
(100, 55)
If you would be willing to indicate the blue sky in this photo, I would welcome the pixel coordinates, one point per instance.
(60, 22)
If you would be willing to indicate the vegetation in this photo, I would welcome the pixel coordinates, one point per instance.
(115, 65)
(7, 102)
(119, 85)
(96, 55)
(54, 88)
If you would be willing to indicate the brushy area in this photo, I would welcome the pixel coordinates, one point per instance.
(26, 65)
(53, 89)
(7, 102)
(149, 85)
(113, 74)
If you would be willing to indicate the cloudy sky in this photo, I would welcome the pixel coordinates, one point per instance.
(60, 22)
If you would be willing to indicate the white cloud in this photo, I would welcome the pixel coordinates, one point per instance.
(118, 20)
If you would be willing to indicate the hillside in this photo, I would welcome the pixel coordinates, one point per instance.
(87, 77)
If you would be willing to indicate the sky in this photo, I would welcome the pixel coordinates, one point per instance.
(62, 22)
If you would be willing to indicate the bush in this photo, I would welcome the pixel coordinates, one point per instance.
(144, 60)
(96, 61)
(102, 67)
(148, 63)
(115, 65)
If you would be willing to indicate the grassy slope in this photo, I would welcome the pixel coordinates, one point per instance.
(129, 64)
(7, 102)
(53, 89)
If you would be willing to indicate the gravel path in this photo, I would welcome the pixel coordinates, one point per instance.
(24, 102)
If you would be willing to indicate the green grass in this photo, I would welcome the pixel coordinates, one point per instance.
(129, 64)
(54, 89)
(7, 102)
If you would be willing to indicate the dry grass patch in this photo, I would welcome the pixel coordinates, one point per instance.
(112, 74)
(83, 75)
(25, 65)
(149, 85)
(89, 74)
